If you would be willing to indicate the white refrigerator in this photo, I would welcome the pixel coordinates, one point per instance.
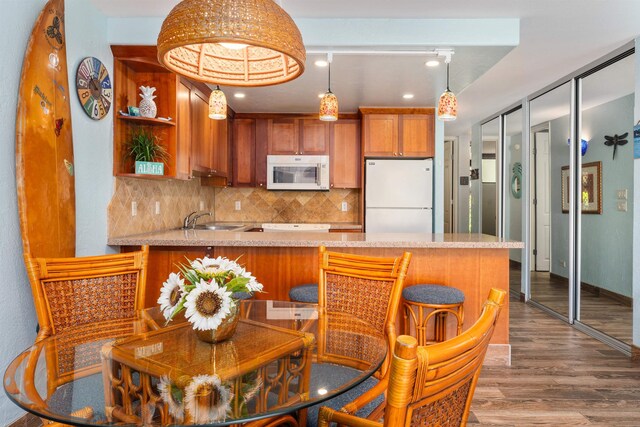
(398, 196)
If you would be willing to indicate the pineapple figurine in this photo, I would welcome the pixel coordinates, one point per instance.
(147, 105)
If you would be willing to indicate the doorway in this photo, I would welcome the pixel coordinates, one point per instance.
(540, 199)
(448, 186)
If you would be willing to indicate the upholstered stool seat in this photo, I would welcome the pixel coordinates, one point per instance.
(242, 295)
(304, 293)
(431, 304)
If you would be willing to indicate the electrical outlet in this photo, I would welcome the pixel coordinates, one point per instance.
(201, 205)
(622, 205)
(134, 208)
(622, 194)
(238, 205)
(157, 207)
(344, 207)
(564, 263)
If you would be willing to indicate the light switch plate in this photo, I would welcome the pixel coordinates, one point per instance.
(157, 207)
(344, 206)
(622, 205)
(238, 205)
(621, 194)
(134, 208)
(201, 205)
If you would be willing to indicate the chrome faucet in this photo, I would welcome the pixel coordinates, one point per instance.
(191, 219)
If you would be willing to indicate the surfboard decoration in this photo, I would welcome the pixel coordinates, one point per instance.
(44, 146)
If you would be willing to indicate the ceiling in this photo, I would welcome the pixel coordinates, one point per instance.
(556, 38)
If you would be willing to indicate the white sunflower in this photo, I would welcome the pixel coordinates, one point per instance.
(171, 294)
(253, 285)
(207, 305)
(207, 400)
(168, 393)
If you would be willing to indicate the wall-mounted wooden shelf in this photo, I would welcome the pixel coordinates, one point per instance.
(145, 121)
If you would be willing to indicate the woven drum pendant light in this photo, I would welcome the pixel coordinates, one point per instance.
(217, 104)
(448, 105)
(232, 42)
(329, 102)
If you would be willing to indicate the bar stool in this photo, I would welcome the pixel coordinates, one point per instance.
(424, 302)
(304, 293)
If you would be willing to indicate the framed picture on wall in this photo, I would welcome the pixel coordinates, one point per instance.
(591, 194)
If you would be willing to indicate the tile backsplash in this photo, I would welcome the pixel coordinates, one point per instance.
(260, 205)
(177, 198)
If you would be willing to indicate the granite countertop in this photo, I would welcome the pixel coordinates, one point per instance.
(311, 239)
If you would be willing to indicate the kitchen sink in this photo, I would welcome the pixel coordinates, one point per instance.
(221, 227)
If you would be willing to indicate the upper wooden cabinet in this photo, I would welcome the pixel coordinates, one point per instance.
(314, 137)
(345, 154)
(283, 136)
(135, 66)
(398, 132)
(209, 138)
(291, 136)
(197, 145)
(244, 152)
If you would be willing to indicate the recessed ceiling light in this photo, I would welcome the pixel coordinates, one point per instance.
(239, 95)
(408, 96)
(321, 63)
(432, 63)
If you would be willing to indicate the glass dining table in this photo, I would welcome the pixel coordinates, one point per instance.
(283, 358)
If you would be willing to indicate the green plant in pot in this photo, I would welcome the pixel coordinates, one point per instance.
(147, 152)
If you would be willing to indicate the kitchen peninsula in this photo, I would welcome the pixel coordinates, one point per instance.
(473, 263)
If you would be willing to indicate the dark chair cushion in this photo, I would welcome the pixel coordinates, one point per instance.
(334, 374)
(304, 293)
(242, 295)
(433, 294)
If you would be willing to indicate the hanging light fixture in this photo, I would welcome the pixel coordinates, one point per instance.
(217, 104)
(232, 42)
(448, 104)
(329, 102)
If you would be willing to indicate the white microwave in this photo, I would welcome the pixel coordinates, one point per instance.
(298, 173)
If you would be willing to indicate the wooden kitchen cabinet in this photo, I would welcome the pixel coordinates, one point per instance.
(314, 137)
(244, 153)
(183, 162)
(398, 132)
(136, 66)
(345, 159)
(201, 137)
(417, 135)
(197, 145)
(380, 132)
(293, 136)
(209, 138)
(283, 136)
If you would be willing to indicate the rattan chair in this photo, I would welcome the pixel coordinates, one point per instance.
(432, 385)
(72, 294)
(368, 288)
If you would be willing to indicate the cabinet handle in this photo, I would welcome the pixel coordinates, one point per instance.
(401, 154)
(395, 154)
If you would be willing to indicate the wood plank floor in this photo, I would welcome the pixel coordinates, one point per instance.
(600, 311)
(559, 377)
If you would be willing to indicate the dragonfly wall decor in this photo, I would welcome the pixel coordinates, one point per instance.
(616, 140)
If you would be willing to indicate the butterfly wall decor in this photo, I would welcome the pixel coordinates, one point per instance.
(616, 140)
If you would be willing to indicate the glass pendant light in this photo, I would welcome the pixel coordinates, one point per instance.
(329, 102)
(217, 104)
(448, 104)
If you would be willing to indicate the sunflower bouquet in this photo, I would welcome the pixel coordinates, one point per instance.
(205, 288)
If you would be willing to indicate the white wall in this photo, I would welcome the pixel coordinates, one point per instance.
(17, 317)
(87, 36)
(92, 140)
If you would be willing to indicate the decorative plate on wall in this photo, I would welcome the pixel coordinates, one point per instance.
(94, 88)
